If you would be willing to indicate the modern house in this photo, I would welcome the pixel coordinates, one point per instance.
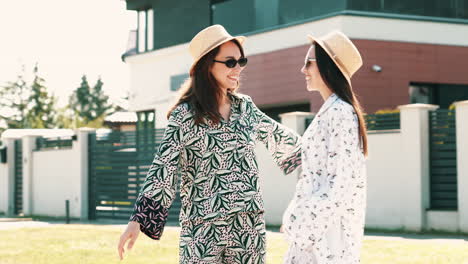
(413, 51)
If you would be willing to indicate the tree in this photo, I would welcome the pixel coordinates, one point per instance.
(65, 117)
(100, 104)
(41, 112)
(14, 98)
(90, 106)
(27, 106)
(80, 101)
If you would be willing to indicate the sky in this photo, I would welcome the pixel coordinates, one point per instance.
(67, 38)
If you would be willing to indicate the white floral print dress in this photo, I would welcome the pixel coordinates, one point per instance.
(324, 222)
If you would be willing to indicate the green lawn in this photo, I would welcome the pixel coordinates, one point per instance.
(96, 244)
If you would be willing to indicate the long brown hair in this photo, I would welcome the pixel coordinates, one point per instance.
(336, 81)
(201, 91)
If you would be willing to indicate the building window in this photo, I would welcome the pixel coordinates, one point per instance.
(145, 30)
(235, 15)
(439, 94)
(421, 93)
(150, 29)
(242, 16)
(177, 81)
(145, 133)
(433, 8)
(146, 120)
(290, 11)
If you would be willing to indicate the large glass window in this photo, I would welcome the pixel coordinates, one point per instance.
(145, 30)
(237, 16)
(145, 132)
(178, 80)
(435, 8)
(291, 11)
(150, 29)
(436, 93)
(141, 31)
(241, 16)
(422, 93)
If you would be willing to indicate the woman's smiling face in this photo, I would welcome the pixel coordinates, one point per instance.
(227, 77)
(310, 69)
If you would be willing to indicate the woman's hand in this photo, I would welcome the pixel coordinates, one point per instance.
(132, 231)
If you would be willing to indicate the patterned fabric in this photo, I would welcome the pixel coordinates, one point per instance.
(235, 240)
(217, 163)
(325, 220)
(151, 216)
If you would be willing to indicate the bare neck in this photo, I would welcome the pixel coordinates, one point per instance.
(325, 92)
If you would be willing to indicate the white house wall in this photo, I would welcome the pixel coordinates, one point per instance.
(385, 207)
(56, 178)
(4, 188)
(150, 80)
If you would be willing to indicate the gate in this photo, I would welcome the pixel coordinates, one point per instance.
(443, 160)
(118, 163)
(18, 185)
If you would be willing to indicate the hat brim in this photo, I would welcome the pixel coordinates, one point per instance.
(240, 39)
(313, 40)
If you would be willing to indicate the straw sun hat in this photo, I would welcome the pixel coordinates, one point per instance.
(208, 39)
(342, 51)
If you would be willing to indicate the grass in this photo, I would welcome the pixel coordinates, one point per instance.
(96, 244)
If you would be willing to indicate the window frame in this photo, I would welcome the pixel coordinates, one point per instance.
(148, 43)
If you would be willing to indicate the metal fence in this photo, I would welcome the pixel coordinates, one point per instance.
(376, 121)
(118, 164)
(443, 159)
(54, 143)
(18, 185)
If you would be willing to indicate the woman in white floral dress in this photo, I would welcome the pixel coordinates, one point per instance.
(324, 222)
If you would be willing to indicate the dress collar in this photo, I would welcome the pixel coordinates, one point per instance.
(329, 102)
(235, 97)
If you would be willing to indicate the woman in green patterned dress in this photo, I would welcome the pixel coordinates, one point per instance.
(210, 141)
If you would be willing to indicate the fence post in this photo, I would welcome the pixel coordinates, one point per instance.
(10, 177)
(296, 120)
(29, 145)
(83, 149)
(461, 115)
(415, 138)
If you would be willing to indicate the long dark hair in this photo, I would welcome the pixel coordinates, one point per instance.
(202, 91)
(336, 81)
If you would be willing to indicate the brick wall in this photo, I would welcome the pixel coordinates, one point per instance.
(274, 78)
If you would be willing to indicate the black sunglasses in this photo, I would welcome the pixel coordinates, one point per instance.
(231, 63)
(308, 61)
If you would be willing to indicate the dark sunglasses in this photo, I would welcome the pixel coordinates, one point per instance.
(231, 63)
(308, 61)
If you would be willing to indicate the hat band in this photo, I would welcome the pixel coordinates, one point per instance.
(337, 59)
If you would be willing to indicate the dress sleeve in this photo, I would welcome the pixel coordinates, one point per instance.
(282, 143)
(159, 189)
(310, 218)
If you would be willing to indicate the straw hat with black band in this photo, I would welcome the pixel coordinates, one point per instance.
(208, 39)
(342, 51)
